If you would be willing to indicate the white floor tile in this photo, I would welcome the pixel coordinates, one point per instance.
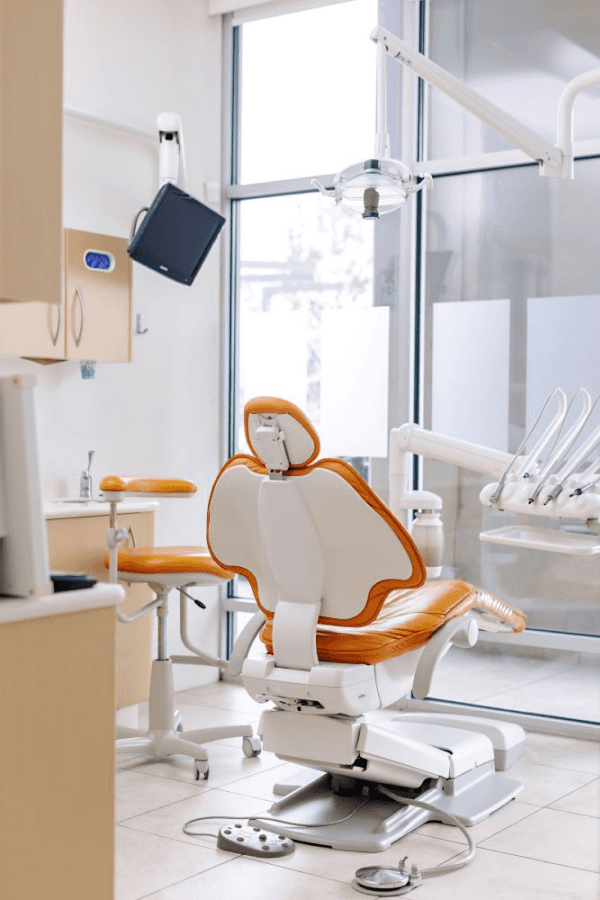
(169, 820)
(146, 863)
(136, 794)
(545, 784)
(223, 696)
(249, 879)
(574, 695)
(226, 764)
(261, 785)
(499, 876)
(553, 836)
(563, 752)
(473, 675)
(585, 801)
(509, 814)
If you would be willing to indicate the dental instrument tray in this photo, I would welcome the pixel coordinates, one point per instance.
(176, 234)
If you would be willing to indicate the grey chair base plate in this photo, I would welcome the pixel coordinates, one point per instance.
(372, 821)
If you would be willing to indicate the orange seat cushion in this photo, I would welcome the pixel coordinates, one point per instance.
(405, 622)
(168, 560)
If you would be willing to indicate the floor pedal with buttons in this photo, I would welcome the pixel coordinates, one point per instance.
(243, 838)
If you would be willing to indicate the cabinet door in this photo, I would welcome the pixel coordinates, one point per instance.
(79, 545)
(33, 329)
(31, 111)
(98, 297)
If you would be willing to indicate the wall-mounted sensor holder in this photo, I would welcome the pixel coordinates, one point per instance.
(99, 260)
(176, 234)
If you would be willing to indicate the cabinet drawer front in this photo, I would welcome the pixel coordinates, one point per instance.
(32, 329)
(98, 296)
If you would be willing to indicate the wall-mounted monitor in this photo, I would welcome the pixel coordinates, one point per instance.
(175, 235)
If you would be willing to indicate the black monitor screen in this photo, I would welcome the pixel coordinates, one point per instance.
(176, 234)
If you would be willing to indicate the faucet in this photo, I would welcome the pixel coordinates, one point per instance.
(85, 484)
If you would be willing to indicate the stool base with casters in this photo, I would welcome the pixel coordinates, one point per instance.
(165, 735)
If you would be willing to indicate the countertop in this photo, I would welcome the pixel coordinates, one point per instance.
(64, 602)
(65, 509)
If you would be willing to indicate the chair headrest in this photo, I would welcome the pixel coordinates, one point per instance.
(279, 434)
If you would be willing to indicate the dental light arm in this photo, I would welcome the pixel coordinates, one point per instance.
(381, 184)
(556, 161)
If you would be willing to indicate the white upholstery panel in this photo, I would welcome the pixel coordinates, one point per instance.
(358, 546)
(289, 541)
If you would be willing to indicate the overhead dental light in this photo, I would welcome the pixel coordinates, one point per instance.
(381, 184)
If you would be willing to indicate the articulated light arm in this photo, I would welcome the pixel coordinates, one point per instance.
(555, 161)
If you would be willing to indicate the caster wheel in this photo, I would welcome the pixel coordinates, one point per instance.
(200, 769)
(251, 746)
(178, 721)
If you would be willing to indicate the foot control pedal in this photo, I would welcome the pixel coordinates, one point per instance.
(240, 837)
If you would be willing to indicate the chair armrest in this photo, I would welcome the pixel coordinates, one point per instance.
(462, 631)
(113, 487)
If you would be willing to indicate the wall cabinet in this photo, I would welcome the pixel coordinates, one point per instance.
(93, 319)
(78, 544)
(52, 306)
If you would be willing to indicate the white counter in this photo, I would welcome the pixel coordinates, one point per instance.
(63, 602)
(65, 509)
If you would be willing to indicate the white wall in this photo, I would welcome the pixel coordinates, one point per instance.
(128, 60)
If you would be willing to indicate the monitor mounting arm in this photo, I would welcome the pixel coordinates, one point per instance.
(172, 152)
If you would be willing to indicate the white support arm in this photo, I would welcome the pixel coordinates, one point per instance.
(172, 153)
(555, 161)
(410, 439)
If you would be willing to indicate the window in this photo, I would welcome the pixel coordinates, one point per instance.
(479, 297)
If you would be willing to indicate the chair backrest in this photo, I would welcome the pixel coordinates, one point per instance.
(315, 542)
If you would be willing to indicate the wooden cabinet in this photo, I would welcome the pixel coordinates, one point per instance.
(57, 756)
(52, 306)
(78, 544)
(98, 297)
(93, 319)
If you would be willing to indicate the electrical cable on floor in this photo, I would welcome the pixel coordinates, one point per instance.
(449, 820)
(269, 819)
(378, 881)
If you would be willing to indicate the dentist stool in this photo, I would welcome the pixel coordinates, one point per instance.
(165, 569)
(350, 622)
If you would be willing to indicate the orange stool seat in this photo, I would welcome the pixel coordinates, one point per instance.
(168, 560)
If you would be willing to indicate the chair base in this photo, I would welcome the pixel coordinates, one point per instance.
(166, 737)
(375, 821)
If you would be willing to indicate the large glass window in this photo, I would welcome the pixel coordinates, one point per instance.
(519, 54)
(473, 301)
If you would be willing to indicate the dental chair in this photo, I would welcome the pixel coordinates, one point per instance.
(350, 622)
(165, 569)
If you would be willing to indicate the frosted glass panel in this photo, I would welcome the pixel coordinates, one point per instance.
(354, 381)
(273, 355)
(562, 347)
(470, 371)
(520, 54)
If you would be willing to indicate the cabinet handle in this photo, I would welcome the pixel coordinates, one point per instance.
(79, 297)
(132, 536)
(54, 335)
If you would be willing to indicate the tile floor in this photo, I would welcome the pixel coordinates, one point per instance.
(545, 844)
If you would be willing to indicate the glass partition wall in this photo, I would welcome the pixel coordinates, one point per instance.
(461, 311)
